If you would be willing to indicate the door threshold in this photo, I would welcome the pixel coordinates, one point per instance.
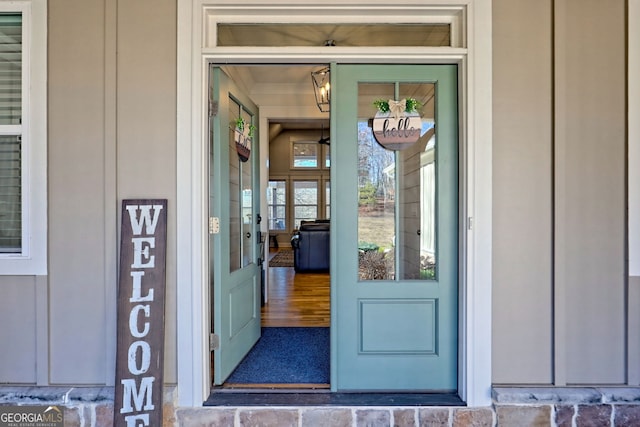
(273, 387)
(324, 397)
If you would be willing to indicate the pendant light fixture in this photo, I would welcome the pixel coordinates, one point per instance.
(321, 80)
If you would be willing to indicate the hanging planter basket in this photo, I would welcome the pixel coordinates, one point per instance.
(397, 125)
(243, 134)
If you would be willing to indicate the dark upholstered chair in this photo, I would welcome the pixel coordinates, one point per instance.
(311, 246)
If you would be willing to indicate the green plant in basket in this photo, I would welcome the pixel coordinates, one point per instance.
(240, 125)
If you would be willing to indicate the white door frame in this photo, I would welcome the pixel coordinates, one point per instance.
(474, 60)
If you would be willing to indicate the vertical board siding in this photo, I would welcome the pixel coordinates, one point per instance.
(18, 318)
(146, 126)
(559, 192)
(76, 192)
(82, 169)
(522, 192)
(585, 280)
(590, 191)
(634, 331)
(410, 207)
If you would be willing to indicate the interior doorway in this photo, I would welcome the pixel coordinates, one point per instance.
(292, 164)
(393, 256)
(197, 41)
(294, 350)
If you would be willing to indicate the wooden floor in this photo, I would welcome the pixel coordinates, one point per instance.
(296, 299)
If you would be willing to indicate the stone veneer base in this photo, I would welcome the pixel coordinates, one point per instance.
(512, 406)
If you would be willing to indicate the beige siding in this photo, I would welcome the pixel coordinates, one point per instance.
(634, 331)
(18, 333)
(590, 191)
(146, 126)
(111, 136)
(522, 191)
(559, 192)
(77, 211)
(412, 190)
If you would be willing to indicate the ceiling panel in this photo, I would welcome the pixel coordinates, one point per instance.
(349, 35)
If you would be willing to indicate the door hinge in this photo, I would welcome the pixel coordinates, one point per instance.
(214, 225)
(213, 108)
(214, 342)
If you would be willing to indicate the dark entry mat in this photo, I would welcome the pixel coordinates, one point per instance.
(321, 398)
(286, 355)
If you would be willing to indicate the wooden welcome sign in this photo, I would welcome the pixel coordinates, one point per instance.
(141, 300)
(397, 125)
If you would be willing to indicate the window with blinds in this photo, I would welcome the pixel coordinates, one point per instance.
(10, 132)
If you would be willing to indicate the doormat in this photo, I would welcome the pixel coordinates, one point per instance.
(220, 397)
(290, 355)
(284, 258)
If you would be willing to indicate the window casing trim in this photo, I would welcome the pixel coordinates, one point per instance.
(32, 260)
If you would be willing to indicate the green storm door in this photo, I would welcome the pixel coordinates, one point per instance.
(233, 247)
(394, 227)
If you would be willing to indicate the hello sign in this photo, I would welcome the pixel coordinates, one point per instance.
(397, 125)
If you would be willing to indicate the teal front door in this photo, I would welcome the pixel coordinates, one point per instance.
(395, 226)
(233, 208)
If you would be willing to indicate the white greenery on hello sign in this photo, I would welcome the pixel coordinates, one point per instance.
(411, 105)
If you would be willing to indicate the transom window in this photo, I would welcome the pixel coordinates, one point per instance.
(304, 155)
(352, 35)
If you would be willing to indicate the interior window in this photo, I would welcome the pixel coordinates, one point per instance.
(327, 199)
(304, 154)
(305, 201)
(277, 202)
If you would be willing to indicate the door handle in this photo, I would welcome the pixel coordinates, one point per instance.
(418, 232)
(248, 235)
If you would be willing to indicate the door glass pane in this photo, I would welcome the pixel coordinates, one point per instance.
(235, 228)
(305, 201)
(376, 191)
(247, 204)
(396, 187)
(240, 197)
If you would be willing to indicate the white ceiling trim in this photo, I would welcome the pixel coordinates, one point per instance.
(274, 55)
